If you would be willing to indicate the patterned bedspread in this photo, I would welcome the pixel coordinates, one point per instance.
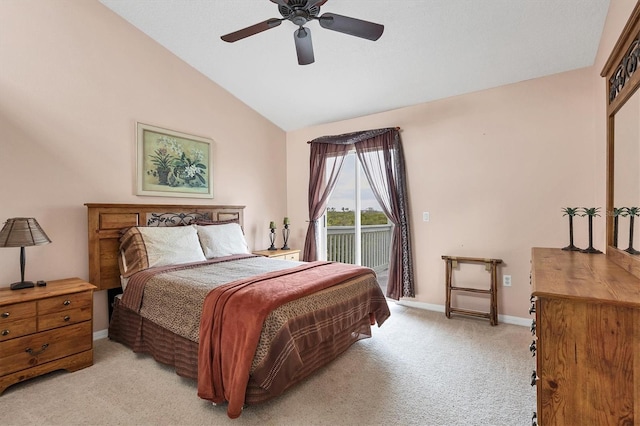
(173, 297)
(161, 295)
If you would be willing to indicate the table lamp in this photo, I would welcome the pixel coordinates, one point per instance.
(22, 232)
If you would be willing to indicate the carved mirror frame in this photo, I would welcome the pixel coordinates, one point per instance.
(622, 81)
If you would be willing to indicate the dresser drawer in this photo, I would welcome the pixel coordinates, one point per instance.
(294, 256)
(36, 349)
(17, 328)
(9, 313)
(67, 317)
(67, 301)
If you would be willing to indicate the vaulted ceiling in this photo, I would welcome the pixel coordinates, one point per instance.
(430, 49)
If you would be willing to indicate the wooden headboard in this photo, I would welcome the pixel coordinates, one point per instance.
(106, 221)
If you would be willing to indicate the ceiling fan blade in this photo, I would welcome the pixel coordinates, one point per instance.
(304, 48)
(311, 3)
(253, 29)
(351, 26)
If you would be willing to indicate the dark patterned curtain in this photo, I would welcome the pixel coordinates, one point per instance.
(380, 153)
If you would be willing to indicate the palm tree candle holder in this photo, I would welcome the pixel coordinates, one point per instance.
(285, 233)
(617, 212)
(633, 212)
(272, 235)
(571, 212)
(590, 212)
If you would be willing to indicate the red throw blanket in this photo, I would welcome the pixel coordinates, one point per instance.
(232, 318)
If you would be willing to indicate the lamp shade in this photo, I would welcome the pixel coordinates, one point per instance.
(22, 232)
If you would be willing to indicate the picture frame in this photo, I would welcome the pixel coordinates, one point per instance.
(173, 164)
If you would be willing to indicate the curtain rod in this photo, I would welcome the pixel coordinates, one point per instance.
(396, 128)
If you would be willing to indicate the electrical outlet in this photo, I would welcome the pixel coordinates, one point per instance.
(506, 280)
(425, 216)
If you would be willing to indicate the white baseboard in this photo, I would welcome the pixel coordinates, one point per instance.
(100, 334)
(507, 319)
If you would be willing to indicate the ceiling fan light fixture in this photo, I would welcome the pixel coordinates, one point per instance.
(304, 47)
(299, 20)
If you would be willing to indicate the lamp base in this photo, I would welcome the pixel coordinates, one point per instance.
(22, 284)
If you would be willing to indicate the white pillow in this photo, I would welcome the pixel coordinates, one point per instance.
(222, 240)
(172, 245)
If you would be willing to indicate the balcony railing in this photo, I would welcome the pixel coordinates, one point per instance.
(375, 243)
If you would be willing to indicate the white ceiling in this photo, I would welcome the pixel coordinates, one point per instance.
(430, 49)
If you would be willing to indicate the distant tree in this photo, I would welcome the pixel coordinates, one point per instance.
(373, 217)
(347, 217)
(340, 218)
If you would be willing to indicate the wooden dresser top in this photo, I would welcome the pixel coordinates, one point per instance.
(575, 275)
(53, 288)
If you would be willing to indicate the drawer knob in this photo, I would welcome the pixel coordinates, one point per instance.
(42, 349)
(534, 377)
(533, 327)
(66, 302)
(5, 315)
(532, 309)
(67, 318)
(5, 332)
(532, 348)
(534, 419)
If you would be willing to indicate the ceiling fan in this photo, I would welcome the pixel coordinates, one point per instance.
(302, 11)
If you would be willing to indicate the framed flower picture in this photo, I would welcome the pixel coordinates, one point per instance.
(173, 164)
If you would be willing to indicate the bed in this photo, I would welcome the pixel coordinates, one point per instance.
(245, 327)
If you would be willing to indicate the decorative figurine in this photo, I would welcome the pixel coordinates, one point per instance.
(591, 212)
(633, 212)
(617, 212)
(272, 235)
(285, 233)
(571, 212)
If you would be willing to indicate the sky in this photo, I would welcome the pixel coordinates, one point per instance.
(343, 194)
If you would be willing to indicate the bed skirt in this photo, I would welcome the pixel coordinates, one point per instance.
(144, 336)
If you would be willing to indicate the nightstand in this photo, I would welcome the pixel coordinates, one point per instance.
(43, 329)
(279, 254)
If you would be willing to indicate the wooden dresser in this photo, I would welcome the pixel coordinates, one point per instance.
(587, 340)
(43, 329)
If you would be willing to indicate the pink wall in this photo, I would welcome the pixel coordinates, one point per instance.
(494, 169)
(74, 79)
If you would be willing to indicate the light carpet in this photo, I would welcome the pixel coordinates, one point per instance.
(419, 368)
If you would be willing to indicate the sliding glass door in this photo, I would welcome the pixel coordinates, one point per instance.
(356, 230)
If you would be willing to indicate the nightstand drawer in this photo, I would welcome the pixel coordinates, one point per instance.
(65, 302)
(16, 311)
(17, 328)
(288, 254)
(60, 319)
(36, 349)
